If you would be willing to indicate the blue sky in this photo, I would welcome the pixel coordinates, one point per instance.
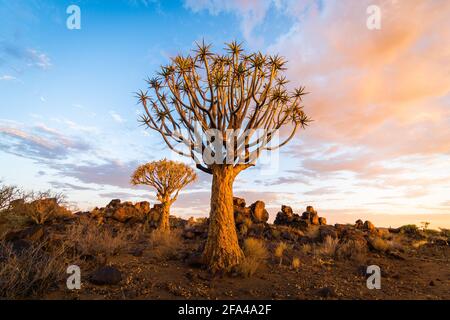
(68, 118)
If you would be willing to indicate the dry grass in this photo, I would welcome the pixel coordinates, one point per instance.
(255, 253)
(30, 272)
(328, 247)
(165, 244)
(306, 248)
(312, 232)
(279, 251)
(352, 250)
(90, 239)
(295, 263)
(379, 244)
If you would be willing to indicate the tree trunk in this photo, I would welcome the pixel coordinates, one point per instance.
(164, 224)
(222, 250)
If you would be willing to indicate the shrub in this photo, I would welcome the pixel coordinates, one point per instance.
(255, 253)
(165, 244)
(352, 250)
(295, 263)
(328, 247)
(379, 244)
(92, 240)
(306, 248)
(410, 229)
(279, 251)
(31, 272)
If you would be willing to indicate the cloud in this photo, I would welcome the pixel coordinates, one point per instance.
(38, 59)
(116, 117)
(7, 77)
(68, 186)
(38, 142)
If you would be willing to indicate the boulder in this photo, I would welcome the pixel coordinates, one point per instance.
(241, 214)
(287, 210)
(35, 233)
(113, 203)
(359, 224)
(107, 275)
(259, 212)
(143, 207)
(238, 202)
(314, 218)
(310, 209)
(369, 226)
(306, 215)
(322, 221)
(125, 213)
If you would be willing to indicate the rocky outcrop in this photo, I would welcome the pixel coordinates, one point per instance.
(125, 212)
(286, 217)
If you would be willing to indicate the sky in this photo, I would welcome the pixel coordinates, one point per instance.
(378, 149)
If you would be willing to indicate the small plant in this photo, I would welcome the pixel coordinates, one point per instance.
(306, 248)
(328, 247)
(379, 244)
(164, 244)
(352, 250)
(279, 251)
(255, 253)
(295, 263)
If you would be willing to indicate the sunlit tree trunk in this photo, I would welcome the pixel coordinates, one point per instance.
(222, 250)
(164, 224)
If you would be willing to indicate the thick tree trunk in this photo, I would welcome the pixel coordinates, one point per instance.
(222, 250)
(164, 224)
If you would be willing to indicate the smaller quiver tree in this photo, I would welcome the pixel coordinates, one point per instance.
(168, 178)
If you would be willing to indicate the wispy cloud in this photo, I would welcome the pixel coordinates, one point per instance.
(116, 117)
(7, 77)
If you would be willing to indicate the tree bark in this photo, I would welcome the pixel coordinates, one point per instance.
(222, 251)
(164, 224)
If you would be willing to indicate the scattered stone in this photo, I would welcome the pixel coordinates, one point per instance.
(326, 292)
(107, 275)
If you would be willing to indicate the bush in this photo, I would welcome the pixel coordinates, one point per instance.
(279, 251)
(328, 247)
(90, 239)
(352, 250)
(379, 244)
(165, 244)
(255, 253)
(306, 248)
(295, 263)
(410, 229)
(31, 272)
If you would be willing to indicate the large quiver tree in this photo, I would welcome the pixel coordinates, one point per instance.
(222, 110)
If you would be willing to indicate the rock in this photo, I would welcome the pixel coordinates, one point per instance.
(327, 231)
(314, 218)
(107, 275)
(241, 214)
(310, 209)
(194, 260)
(35, 233)
(306, 216)
(238, 202)
(369, 226)
(322, 221)
(113, 203)
(259, 212)
(359, 224)
(326, 292)
(287, 210)
(143, 207)
(125, 213)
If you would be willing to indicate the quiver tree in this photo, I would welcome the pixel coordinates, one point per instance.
(168, 178)
(222, 110)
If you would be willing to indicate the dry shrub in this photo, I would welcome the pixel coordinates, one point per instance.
(313, 232)
(164, 243)
(419, 243)
(31, 272)
(90, 239)
(295, 263)
(352, 250)
(379, 244)
(279, 251)
(306, 248)
(328, 247)
(255, 253)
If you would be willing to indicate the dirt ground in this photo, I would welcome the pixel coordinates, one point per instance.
(417, 274)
